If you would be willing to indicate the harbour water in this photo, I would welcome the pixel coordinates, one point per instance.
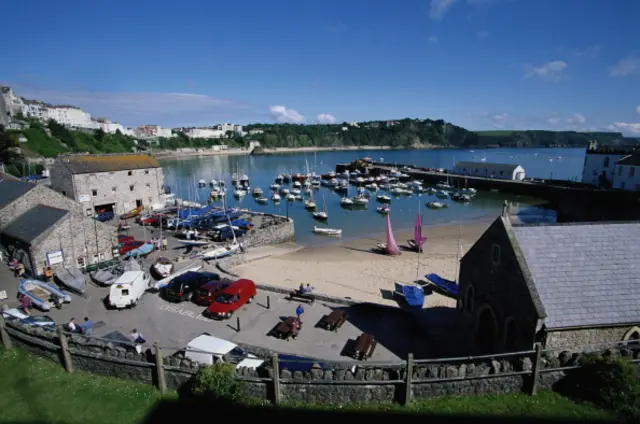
(182, 176)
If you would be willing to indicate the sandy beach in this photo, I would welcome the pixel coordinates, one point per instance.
(352, 270)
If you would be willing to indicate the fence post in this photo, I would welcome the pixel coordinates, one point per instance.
(268, 302)
(66, 356)
(276, 379)
(162, 382)
(238, 324)
(535, 369)
(6, 340)
(408, 377)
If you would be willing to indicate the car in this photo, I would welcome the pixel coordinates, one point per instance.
(231, 299)
(206, 294)
(105, 216)
(127, 290)
(184, 286)
(130, 245)
(208, 350)
(227, 234)
(125, 239)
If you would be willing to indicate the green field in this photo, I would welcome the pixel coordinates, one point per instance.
(33, 389)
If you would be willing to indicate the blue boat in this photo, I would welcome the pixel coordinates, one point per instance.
(143, 250)
(43, 295)
(447, 286)
(412, 294)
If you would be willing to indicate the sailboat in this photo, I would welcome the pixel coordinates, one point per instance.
(447, 287)
(309, 204)
(418, 239)
(322, 215)
(390, 247)
(221, 251)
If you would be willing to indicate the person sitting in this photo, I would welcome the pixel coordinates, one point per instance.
(308, 289)
(301, 289)
(136, 337)
(25, 304)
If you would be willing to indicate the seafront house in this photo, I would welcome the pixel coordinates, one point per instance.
(600, 161)
(626, 173)
(41, 227)
(564, 285)
(113, 182)
(502, 171)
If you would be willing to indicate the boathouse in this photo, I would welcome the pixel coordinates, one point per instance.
(600, 162)
(502, 171)
(41, 227)
(568, 286)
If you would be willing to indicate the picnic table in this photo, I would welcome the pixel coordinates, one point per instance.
(333, 321)
(302, 296)
(364, 347)
(288, 328)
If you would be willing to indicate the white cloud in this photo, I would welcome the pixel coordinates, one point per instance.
(625, 67)
(500, 120)
(433, 39)
(325, 118)
(626, 127)
(589, 52)
(439, 8)
(576, 119)
(482, 35)
(550, 71)
(554, 120)
(638, 109)
(282, 114)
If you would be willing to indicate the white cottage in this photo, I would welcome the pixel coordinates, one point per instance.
(600, 161)
(502, 171)
(626, 173)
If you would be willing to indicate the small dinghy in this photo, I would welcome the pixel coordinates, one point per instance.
(447, 286)
(196, 242)
(141, 251)
(413, 295)
(327, 231)
(219, 252)
(163, 267)
(262, 200)
(436, 205)
(71, 278)
(43, 295)
(383, 199)
(346, 202)
(384, 210)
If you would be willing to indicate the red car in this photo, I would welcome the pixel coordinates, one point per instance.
(129, 245)
(235, 296)
(208, 293)
(154, 220)
(125, 239)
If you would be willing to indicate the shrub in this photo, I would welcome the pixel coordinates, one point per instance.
(218, 381)
(608, 382)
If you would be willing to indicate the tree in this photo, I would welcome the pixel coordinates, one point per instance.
(9, 149)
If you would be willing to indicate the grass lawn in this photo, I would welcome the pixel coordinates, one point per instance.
(33, 389)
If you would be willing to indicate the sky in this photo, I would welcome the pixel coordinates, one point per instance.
(480, 64)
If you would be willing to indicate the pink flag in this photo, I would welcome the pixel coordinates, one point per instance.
(392, 247)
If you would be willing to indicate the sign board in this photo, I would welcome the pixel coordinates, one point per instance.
(55, 257)
(84, 198)
(3, 295)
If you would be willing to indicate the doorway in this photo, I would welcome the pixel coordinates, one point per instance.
(138, 203)
(486, 333)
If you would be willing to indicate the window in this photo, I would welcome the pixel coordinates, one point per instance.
(95, 259)
(620, 170)
(102, 256)
(81, 262)
(149, 185)
(64, 193)
(632, 171)
(495, 254)
(93, 176)
(114, 189)
(130, 173)
(606, 162)
(89, 212)
(146, 171)
(94, 192)
(150, 200)
(131, 187)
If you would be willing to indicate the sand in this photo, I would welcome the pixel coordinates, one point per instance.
(353, 271)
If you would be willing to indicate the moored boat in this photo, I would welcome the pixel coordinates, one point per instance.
(383, 209)
(436, 205)
(383, 199)
(262, 199)
(345, 201)
(327, 231)
(132, 213)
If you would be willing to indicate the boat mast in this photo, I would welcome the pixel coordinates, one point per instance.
(418, 248)
(458, 252)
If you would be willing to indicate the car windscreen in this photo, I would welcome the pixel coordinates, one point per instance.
(225, 298)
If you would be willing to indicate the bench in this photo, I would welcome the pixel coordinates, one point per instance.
(333, 321)
(303, 297)
(284, 330)
(364, 347)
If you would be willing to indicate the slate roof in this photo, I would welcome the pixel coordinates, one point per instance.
(87, 164)
(33, 223)
(509, 167)
(11, 190)
(633, 160)
(585, 274)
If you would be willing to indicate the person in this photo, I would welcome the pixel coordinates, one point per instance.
(87, 326)
(136, 336)
(308, 289)
(25, 304)
(295, 326)
(71, 325)
(20, 270)
(301, 289)
(299, 312)
(164, 243)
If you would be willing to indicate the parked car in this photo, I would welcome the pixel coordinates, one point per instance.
(232, 298)
(207, 350)
(242, 224)
(105, 216)
(130, 245)
(206, 294)
(227, 233)
(127, 290)
(184, 286)
(125, 239)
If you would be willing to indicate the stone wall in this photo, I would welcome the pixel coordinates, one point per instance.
(593, 339)
(335, 383)
(274, 229)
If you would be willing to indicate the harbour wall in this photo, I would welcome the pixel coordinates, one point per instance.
(322, 382)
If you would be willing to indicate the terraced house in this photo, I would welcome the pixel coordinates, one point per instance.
(114, 182)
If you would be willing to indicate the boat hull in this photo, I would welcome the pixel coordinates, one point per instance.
(71, 278)
(40, 293)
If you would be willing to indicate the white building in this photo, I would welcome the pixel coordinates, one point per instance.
(34, 109)
(153, 131)
(228, 127)
(599, 163)
(112, 127)
(69, 116)
(204, 133)
(626, 173)
(502, 171)
(256, 131)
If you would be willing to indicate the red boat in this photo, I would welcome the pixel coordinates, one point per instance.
(130, 245)
(125, 239)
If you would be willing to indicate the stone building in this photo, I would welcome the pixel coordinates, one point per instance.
(565, 285)
(600, 162)
(118, 182)
(40, 227)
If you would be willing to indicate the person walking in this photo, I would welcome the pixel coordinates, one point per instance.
(87, 326)
(299, 313)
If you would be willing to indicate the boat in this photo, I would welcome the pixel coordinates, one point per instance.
(71, 278)
(262, 199)
(194, 242)
(360, 200)
(162, 267)
(298, 197)
(469, 191)
(345, 201)
(257, 191)
(444, 186)
(160, 284)
(436, 205)
(284, 191)
(462, 198)
(43, 295)
(295, 191)
(383, 199)
(279, 179)
(143, 250)
(291, 197)
(327, 231)
(202, 183)
(107, 276)
(274, 186)
(275, 197)
(297, 184)
(383, 209)
(239, 193)
(447, 286)
(132, 213)
(213, 183)
(219, 252)
(309, 204)
(391, 247)
(413, 295)
(418, 239)
(322, 215)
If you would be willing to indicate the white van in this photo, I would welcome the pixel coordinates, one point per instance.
(128, 289)
(207, 350)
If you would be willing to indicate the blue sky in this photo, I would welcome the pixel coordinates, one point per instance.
(481, 64)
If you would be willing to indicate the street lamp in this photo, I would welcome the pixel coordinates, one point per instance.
(287, 206)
